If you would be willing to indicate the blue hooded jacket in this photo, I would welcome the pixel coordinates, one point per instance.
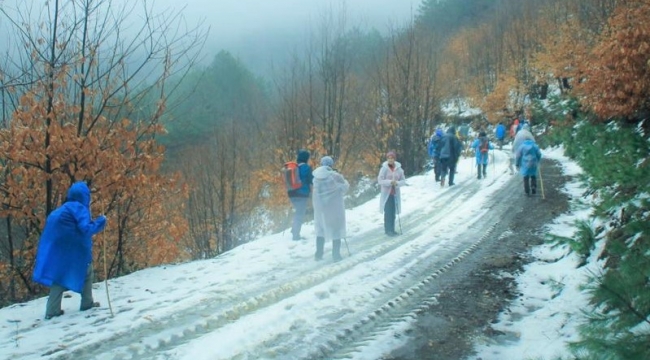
(433, 147)
(481, 158)
(65, 248)
(500, 131)
(528, 157)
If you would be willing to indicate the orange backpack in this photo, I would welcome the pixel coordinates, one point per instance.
(291, 173)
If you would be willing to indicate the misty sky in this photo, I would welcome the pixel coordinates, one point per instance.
(262, 32)
(258, 31)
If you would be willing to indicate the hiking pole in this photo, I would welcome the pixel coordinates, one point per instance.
(541, 181)
(347, 246)
(108, 296)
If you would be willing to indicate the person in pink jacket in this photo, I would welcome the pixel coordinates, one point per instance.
(390, 179)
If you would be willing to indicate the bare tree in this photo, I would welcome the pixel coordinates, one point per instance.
(87, 89)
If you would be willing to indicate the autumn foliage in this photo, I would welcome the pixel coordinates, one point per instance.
(44, 148)
(616, 77)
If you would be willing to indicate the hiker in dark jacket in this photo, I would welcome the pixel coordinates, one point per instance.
(64, 255)
(450, 150)
(300, 197)
(482, 147)
(434, 151)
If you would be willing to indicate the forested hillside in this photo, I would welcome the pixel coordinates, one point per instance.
(184, 160)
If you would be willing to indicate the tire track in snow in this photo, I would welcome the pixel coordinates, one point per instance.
(197, 321)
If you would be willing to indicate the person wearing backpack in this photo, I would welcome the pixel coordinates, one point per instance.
(513, 127)
(527, 159)
(300, 197)
(450, 150)
(500, 134)
(434, 151)
(390, 179)
(329, 208)
(482, 147)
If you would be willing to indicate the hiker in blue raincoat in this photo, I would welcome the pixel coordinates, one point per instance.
(527, 159)
(482, 147)
(433, 149)
(500, 134)
(64, 255)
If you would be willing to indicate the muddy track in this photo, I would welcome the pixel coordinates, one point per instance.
(419, 295)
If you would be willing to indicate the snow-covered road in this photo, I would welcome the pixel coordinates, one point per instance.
(270, 299)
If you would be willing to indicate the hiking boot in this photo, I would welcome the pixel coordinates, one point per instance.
(49, 316)
(94, 304)
(526, 186)
(336, 250)
(320, 244)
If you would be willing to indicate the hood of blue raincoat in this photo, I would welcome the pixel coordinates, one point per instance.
(80, 193)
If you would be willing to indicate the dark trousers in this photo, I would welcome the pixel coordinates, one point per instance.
(53, 307)
(481, 169)
(389, 215)
(436, 168)
(448, 166)
(530, 184)
(300, 208)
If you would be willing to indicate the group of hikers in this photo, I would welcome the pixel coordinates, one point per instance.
(327, 188)
(445, 150)
(64, 254)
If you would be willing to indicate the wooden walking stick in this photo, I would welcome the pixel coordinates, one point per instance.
(108, 296)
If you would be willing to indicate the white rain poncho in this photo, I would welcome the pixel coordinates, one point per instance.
(385, 178)
(329, 209)
(522, 135)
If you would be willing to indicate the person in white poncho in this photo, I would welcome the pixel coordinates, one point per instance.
(329, 209)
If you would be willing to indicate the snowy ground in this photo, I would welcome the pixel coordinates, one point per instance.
(270, 299)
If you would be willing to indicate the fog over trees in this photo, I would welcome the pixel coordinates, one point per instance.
(180, 115)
